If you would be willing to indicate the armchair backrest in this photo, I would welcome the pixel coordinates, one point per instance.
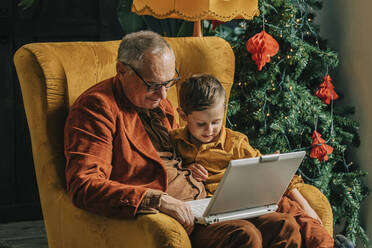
(53, 75)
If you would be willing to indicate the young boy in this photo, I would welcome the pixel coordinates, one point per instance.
(206, 147)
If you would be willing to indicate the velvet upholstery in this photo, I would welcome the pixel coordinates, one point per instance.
(52, 76)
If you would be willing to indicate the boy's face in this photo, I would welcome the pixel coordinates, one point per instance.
(205, 125)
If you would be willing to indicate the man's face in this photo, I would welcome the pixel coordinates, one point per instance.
(205, 125)
(156, 68)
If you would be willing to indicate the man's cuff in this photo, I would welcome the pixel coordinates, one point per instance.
(151, 201)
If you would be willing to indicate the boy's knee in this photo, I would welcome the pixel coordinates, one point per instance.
(290, 223)
(236, 233)
(291, 231)
(245, 234)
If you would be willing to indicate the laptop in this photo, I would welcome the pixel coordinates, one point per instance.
(250, 187)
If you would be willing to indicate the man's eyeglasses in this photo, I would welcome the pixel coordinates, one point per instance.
(153, 86)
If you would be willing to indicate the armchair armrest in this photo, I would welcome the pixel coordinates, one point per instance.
(90, 230)
(150, 230)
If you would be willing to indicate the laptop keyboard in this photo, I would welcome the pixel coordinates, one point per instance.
(198, 206)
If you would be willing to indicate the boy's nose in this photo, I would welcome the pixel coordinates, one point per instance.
(209, 128)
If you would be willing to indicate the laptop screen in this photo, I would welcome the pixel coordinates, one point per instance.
(254, 182)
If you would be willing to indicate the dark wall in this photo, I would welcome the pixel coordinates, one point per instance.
(67, 20)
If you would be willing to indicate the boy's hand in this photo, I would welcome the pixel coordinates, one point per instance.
(198, 171)
(311, 212)
(295, 195)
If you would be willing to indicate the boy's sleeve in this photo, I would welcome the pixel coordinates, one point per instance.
(246, 150)
(295, 182)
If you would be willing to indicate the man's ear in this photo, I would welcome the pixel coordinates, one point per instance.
(181, 113)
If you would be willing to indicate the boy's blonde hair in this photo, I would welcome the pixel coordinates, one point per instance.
(199, 92)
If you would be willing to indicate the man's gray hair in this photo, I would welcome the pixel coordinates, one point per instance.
(134, 45)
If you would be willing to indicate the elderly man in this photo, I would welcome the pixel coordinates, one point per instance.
(120, 161)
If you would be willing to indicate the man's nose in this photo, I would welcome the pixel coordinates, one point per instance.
(162, 92)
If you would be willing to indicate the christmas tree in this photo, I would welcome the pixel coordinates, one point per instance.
(284, 99)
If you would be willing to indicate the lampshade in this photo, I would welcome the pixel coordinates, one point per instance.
(195, 10)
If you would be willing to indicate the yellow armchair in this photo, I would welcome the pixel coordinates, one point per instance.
(52, 76)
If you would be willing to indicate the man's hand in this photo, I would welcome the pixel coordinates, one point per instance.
(198, 171)
(179, 210)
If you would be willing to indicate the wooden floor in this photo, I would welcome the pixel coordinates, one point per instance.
(25, 234)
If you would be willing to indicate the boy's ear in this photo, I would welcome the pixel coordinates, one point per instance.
(181, 113)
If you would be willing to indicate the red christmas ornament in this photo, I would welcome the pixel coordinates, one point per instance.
(262, 46)
(326, 91)
(320, 149)
(216, 23)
